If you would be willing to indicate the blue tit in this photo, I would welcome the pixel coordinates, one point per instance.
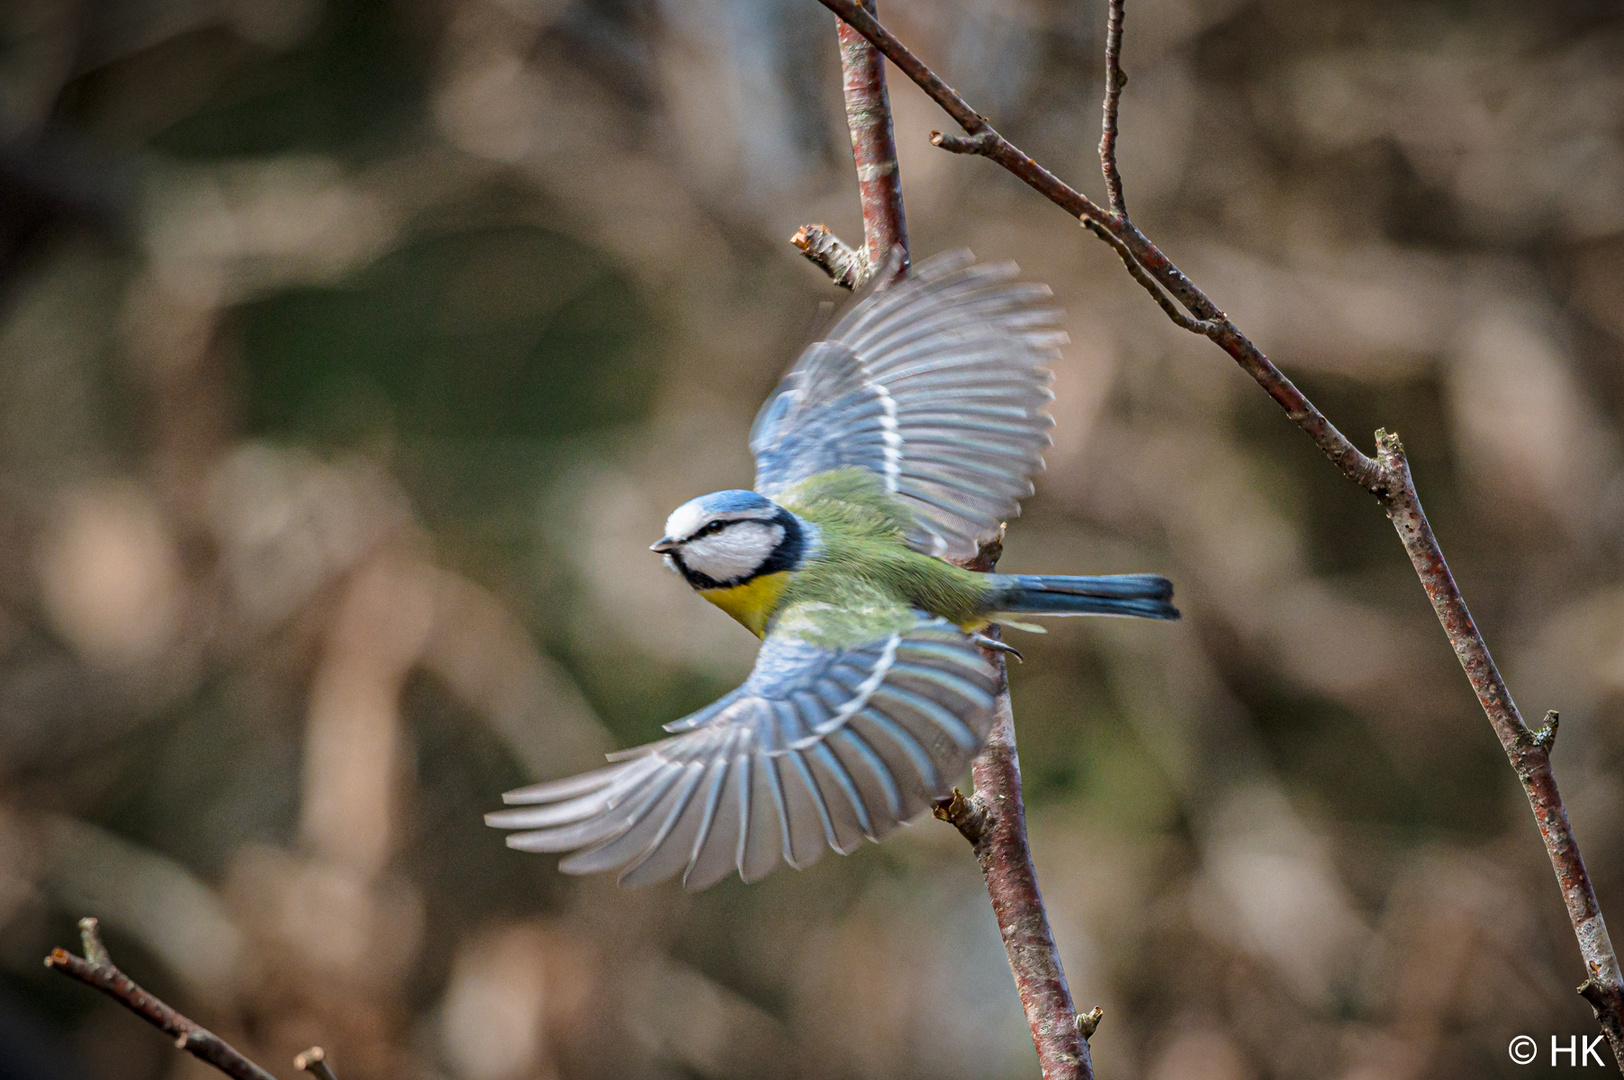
(894, 446)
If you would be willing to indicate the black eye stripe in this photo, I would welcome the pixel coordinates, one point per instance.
(711, 528)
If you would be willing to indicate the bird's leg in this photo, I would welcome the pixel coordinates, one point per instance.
(997, 646)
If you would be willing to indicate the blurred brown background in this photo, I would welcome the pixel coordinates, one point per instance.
(351, 352)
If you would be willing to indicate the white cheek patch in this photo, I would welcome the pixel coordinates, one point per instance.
(735, 552)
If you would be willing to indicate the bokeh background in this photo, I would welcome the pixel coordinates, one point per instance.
(351, 352)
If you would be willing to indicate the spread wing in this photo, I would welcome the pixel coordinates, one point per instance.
(935, 383)
(821, 747)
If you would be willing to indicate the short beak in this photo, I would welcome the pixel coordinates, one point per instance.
(663, 545)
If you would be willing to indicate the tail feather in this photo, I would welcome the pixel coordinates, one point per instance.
(1148, 596)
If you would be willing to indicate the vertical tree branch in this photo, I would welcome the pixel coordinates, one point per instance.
(1012, 882)
(994, 819)
(1115, 80)
(1387, 478)
(879, 182)
(873, 149)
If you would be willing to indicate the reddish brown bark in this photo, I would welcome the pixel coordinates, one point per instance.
(1528, 751)
(96, 969)
(994, 821)
(1115, 80)
(873, 149)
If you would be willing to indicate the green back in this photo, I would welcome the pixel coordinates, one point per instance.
(865, 579)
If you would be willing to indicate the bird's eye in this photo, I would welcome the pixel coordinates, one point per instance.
(711, 528)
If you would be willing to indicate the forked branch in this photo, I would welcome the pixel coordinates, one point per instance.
(1204, 316)
(1387, 476)
(1115, 80)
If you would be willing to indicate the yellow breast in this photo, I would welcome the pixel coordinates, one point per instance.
(752, 602)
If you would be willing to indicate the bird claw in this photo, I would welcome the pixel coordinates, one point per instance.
(997, 646)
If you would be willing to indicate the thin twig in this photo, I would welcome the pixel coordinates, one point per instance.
(1387, 477)
(983, 143)
(830, 254)
(874, 150)
(1546, 735)
(314, 1061)
(1528, 751)
(96, 969)
(966, 813)
(1115, 80)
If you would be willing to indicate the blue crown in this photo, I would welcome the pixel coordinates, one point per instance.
(735, 501)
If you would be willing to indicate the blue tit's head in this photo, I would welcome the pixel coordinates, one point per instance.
(727, 538)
